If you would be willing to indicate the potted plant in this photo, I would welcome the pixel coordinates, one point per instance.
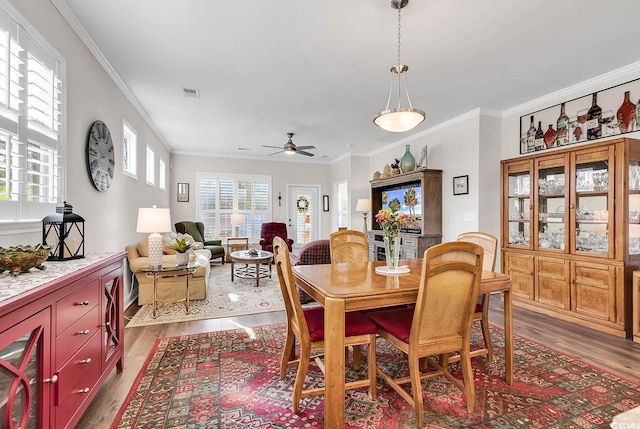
(181, 247)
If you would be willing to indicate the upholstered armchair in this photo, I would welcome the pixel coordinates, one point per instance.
(196, 230)
(270, 230)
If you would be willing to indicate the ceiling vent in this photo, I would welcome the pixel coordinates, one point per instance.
(190, 92)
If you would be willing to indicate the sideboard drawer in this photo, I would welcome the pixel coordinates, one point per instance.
(76, 380)
(73, 338)
(74, 306)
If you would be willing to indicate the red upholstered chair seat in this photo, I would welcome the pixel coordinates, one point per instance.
(396, 321)
(355, 324)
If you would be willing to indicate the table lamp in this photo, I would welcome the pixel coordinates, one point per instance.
(154, 220)
(236, 220)
(363, 206)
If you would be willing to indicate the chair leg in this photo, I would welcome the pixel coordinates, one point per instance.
(288, 353)
(303, 366)
(416, 389)
(357, 357)
(467, 374)
(371, 368)
(485, 328)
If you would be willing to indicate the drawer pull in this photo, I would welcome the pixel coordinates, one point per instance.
(52, 380)
(86, 361)
(85, 332)
(84, 303)
(85, 390)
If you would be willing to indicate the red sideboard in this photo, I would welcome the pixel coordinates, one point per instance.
(61, 335)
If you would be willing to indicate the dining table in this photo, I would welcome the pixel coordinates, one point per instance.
(340, 288)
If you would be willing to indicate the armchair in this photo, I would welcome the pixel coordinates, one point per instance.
(269, 230)
(196, 230)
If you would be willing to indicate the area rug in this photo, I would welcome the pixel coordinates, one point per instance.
(230, 379)
(224, 299)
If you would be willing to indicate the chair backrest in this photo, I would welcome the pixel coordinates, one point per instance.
(194, 229)
(295, 316)
(488, 242)
(348, 246)
(269, 230)
(449, 285)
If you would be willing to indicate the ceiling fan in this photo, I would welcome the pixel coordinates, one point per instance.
(290, 148)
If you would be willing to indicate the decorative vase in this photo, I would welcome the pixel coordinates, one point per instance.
(392, 251)
(182, 258)
(550, 137)
(407, 162)
(626, 115)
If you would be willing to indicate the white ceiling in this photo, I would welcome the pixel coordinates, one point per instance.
(320, 68)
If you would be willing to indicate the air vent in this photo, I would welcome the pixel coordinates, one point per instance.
(190, 92)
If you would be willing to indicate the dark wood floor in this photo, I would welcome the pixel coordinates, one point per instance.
(605, 351)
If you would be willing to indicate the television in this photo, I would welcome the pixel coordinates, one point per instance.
(406, 199)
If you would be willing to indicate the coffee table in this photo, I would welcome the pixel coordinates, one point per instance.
(252, 268)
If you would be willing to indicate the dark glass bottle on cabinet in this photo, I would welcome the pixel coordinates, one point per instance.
(531, 137)
(626, 114)
(594, 127)
(562, 127)
(539, 137)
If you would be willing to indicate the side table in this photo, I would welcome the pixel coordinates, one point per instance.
(170, 271)
(234, 244)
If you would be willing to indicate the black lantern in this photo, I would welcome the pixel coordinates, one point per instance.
(64, 232)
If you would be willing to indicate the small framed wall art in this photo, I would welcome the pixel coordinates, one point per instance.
(461, 185)
(183, 192)
(325, 203)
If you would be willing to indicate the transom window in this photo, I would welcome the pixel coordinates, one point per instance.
(151, 166)
(221, 195)
(162, 175)
(129, 148)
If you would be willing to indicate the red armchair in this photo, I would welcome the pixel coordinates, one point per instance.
(270, 230)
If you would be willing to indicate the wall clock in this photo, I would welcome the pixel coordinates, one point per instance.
(100, 156)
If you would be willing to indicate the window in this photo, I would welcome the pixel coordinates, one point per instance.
(342, 204)
(162, 175)
(32, 154)
(129, 147)
(220, 195)
(151, 166)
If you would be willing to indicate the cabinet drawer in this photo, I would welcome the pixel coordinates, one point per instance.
(74, 306)
(553, 282)
(595, 291)
(73, 338)
(76, 379)
(519, 263)
(410, 241)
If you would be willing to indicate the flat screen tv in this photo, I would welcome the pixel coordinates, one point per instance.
(407, 199)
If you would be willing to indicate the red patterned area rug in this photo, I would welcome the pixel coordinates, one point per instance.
(230, 379)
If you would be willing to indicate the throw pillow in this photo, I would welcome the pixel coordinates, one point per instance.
(143, 247)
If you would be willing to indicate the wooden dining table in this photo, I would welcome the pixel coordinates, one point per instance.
(340, 288)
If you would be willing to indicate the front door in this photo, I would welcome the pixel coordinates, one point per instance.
(304, 210)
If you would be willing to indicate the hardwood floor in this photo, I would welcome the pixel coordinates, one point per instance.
(604, 351)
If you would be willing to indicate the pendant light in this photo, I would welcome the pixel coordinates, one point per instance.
(399, 119)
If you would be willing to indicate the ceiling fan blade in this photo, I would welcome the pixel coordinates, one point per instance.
(305, 147)
(274, 147)
(275, 153)
(301, 152)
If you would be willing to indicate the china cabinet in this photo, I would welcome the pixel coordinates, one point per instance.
(571, 232)
(61, 335)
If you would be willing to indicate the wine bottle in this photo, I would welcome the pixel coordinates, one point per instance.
(562, 128)
(550, 137)
(594, 128)
(626, 114)
(531, 137)
(539, 137)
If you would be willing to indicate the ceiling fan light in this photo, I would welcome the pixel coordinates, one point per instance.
(399, 120)
(290, 151)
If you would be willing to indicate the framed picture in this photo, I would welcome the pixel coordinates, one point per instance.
(325, 203)
(183, 192)
(461, 185)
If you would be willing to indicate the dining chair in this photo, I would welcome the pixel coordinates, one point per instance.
(490, 245)
(348, 246)
(439, 324)
(307, 325)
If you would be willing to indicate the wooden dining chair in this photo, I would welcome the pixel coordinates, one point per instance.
(490, 245)
(308, 327)
(348, 246)
(439, 324)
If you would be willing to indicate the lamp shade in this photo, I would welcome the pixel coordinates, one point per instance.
(153, 220)
(237, 218)
(399, 120)
(363, 205)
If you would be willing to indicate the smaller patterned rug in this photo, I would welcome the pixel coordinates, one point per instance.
(224, 299)
(230, 379)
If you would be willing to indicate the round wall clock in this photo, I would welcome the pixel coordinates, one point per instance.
(100, 156)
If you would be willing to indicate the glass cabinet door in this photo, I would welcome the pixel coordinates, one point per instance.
(634, 208)
(593, 205)
(519, 206)
(552, 204)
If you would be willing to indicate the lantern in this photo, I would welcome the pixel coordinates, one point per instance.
(64, 232)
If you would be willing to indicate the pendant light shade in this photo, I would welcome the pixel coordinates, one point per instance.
(399, 119)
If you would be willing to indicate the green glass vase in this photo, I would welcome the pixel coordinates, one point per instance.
(407, 162)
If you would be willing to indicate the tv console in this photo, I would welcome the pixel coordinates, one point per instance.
(412, 245)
